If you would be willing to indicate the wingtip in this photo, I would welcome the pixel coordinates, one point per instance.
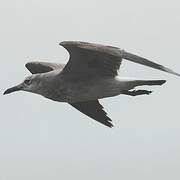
(171, 71)
(110, 125)
(177, 74)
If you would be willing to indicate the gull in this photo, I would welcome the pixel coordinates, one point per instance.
(90, 74)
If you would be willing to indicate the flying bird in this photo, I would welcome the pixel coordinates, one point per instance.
(90, 74)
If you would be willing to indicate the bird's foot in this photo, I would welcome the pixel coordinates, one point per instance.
(140, 92)
(137, 92)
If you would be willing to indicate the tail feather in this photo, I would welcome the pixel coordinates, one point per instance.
(130, 84)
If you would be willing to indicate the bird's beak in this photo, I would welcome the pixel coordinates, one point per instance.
(13, 89)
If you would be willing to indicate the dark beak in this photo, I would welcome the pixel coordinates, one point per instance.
(13, 89)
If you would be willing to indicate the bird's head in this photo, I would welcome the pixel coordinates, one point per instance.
(30, 84)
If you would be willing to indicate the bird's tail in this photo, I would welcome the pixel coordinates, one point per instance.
(130, 84)
(149, 82)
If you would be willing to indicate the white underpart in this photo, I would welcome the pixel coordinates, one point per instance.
(109, 87)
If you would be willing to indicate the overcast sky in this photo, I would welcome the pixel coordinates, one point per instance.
(42, 139)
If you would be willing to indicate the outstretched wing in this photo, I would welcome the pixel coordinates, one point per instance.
(42, 67)
(94, 60)
(94, 110)
(90, 60)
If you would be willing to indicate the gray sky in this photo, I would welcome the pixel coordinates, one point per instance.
(42, 139)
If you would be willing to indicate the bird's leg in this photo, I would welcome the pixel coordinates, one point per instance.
(136, 92)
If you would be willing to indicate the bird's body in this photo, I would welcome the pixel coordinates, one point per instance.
(58, 88)
(90, 74)
(83, 90)
(65, 90)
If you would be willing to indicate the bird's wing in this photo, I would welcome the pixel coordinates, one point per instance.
(94, 60)
(146, 62)
(90, 60)
(42, 67)
(94, 110)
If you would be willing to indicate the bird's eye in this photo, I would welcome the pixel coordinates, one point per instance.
(27, 81)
